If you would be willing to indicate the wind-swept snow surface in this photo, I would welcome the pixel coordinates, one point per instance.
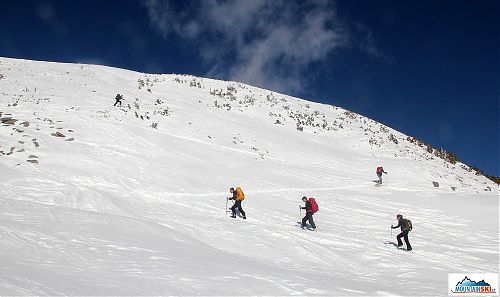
(130, 200)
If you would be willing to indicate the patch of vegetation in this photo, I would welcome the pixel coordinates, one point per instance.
(493, 178)
(195, 84)
(248, 101)
(229, 94)
(393, 138)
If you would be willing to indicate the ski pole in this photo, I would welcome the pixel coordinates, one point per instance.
(226, 205)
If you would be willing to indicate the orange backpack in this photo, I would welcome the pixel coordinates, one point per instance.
(239, 194)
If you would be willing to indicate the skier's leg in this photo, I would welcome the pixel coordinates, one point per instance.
(400, 243)
(311, 221)
(237, 205)
(304, 219)
(408, 245)
(233, 210)
(379, 178)
(242, 212)
(115, 103)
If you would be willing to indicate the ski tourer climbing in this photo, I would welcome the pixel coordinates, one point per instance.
(406, 227)
(118, 99)
(379, 171)
(238, 197)
(311, 207)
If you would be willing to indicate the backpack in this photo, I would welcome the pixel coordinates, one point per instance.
(407, 224)
(239, 194)
(314, 205)
(379, 169)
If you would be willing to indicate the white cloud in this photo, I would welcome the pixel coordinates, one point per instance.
(92, 61)
(48, 16)
(45, 12)
(265, 43)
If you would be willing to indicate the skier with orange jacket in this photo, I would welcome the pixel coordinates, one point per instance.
(238, 197)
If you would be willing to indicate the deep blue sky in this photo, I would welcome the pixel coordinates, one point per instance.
(427, 68)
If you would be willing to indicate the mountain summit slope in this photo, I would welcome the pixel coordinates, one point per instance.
(130, 200)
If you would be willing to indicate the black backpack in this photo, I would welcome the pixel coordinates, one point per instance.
(407, 224)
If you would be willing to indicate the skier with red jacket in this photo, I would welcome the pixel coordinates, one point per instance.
(311, 207)
(379, 171)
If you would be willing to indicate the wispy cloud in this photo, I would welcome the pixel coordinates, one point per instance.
(265, 43)
(92, 61)
(49, 17)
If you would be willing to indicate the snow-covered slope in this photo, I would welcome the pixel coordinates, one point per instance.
(131, 200)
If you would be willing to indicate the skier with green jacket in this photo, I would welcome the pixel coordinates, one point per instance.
(406, 227)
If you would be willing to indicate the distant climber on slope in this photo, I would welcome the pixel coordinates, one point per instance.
(118, 99)
(406, 227)
(238, 197)
(311, 207)
(379, 171)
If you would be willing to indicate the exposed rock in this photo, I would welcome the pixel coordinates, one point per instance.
(436, 184)
(36, 144)
(33, 157)
(58, 134)
(8, 121)
(25, 124)
(70, 139)
(70, 130)
(33, 161)
(21, 150)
